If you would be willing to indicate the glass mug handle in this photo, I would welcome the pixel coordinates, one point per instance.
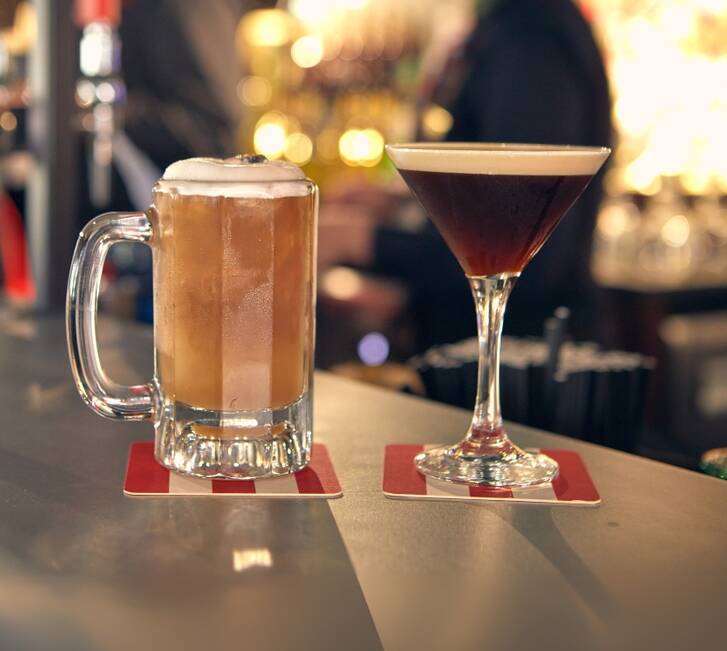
(102, 395)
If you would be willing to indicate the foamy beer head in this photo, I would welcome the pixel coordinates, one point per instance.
(233, 262)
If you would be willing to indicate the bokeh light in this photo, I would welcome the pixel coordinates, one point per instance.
(298, 148)
(616, 219)
(311, 12)
(342, 283)
(271, 134)
(436, 121)
(642, 175)
(373, 349)
(675, 44)
(675, 231)
(307, 51)
(363, 147)
(23, 33)
(267, 28)
(327, 145)
(85, 93)
(245, 559)
(315, 13)
(255, 91)
(8, 121)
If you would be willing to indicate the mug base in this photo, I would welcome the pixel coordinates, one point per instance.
(249, 444)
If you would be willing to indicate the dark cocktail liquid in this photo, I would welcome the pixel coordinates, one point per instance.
(494, 223)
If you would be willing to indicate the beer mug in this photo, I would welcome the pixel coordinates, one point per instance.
(233, 244)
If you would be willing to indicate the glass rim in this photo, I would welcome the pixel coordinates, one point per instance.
(304, 179)
(497, 158)
(501, 148)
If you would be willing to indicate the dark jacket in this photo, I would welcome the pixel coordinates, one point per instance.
(181, 70)
(529, 73)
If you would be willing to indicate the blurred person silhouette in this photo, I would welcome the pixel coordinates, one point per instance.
(181, 68)
(529, 72)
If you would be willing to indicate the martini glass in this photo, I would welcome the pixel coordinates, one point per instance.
(495, 205)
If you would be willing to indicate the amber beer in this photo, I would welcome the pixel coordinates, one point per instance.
(233, 243)
(232, 299)
(234, 247)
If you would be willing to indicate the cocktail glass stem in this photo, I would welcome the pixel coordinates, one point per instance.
(490, 294)
(486, 455)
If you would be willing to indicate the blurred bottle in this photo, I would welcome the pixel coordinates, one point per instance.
(616, 240)
(100, 91)
(711, 218)
(669, 241)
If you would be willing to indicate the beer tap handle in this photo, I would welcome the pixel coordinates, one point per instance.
(100, 89)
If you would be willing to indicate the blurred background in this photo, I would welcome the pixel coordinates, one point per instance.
(98, 96)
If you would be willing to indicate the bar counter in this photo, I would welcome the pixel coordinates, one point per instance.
(84, 568)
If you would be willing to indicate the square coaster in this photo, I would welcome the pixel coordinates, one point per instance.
(145, 477)
(573, 485)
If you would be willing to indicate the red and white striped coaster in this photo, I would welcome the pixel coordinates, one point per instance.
(572, 486)
(144, 476)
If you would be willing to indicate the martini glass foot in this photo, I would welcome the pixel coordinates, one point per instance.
(512, 467)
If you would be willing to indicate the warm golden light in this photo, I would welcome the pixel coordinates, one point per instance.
(298, 148)
(267, 27)
(19, 38)
(710, 6)
(255, 91)
(317, 12)
(307, 51)
(327, 145)
(270, 140)
(311, 12)
(643, 176)
(675, 231)
(245, 559)
(616, 219)
(375, 147)
(342, 283)
(85, 93)
(436, 121)
(271, 135)
(656, 48)
(347, 146)
(8, 121)
(361, 147)
(722, 181)
(695, 182)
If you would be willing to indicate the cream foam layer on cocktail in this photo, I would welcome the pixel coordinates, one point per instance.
(497, 158)
(239, 176)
